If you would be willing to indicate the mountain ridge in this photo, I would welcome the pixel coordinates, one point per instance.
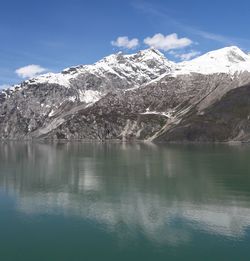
(128, 97)
(67, 74)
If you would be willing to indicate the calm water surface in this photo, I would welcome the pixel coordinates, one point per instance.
(124, 202)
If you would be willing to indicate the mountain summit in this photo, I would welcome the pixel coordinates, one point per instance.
(225, 60)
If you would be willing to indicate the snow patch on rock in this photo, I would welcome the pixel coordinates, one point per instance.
(89, 96)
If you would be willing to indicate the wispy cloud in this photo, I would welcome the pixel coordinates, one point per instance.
(153, 10)
(125, 42)
(30, 71)
(207, 35)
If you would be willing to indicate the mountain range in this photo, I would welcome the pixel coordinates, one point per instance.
(141, 96)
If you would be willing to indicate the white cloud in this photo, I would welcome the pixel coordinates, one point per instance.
(30, 71)
(124, 42)
(185, 56)
(167, 42)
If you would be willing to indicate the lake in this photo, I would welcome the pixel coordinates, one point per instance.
(112, 201)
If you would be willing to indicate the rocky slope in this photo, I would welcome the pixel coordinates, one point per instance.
(142, 96)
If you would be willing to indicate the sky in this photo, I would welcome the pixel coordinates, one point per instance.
(50, 35)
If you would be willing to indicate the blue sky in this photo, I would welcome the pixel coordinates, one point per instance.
(53, 34)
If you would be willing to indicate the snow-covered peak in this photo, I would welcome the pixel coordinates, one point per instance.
(150, 53)
(228, 54)
(141, 57)
(226, 60)
(125, 71)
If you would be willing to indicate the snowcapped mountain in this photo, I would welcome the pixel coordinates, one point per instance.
(146, 65)
(135, 69)
(116, 71)
(227, 60)
(136, 96)
(123, 71)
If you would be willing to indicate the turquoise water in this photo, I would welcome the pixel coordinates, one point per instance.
(77, 201)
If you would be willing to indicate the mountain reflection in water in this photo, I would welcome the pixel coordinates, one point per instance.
(165, 193)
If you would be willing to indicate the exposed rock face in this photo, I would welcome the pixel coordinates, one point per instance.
(228, 119)
(134, 97)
